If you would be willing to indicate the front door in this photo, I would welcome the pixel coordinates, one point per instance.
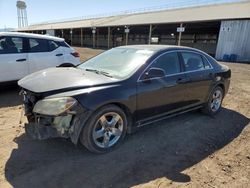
(13, 59)
(159, 96)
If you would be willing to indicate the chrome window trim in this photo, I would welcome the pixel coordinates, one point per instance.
(184, 72)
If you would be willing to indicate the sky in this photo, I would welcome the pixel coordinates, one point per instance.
(50, 10)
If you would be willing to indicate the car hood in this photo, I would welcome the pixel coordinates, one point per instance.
(62, 79)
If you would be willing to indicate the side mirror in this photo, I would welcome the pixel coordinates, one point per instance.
(154, 73)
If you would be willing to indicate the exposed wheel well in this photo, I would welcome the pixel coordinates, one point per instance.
(66, 65)
(222, 87)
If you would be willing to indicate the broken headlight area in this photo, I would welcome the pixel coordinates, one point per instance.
(54, 106)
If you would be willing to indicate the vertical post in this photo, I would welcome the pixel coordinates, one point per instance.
(18, 18)
(81, 38)
(126, 35)
(179, 39)
(150, 34)
(108, 37)
(62, 33)
(126, 42)
(93, 32)
(195, 40)
(71, 33)
(97, 36)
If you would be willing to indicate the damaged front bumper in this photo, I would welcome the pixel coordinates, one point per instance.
(49, 127)
(68, 125)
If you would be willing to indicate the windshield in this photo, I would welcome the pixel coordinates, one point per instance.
(117, 62)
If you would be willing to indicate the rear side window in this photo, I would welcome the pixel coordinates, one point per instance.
(11, 45)
(169, 62)
(53, 45)
(38, 45)
(63, 44)
(192, 61)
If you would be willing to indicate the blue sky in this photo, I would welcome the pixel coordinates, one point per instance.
(46, 10)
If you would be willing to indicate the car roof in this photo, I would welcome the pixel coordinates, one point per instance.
(30, 35)
(157, 48)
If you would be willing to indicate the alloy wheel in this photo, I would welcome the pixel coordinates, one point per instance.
(108, 130)
(216, 100)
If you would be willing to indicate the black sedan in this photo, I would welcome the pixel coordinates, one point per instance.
(114, 93)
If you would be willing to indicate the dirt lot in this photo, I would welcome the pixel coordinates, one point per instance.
(191, 150)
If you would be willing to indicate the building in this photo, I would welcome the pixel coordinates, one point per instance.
(222, 30)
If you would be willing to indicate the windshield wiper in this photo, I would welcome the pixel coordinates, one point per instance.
(99, 72)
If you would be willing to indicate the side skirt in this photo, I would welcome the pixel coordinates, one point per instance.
(153, 120)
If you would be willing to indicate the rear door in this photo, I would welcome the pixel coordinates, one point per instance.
(43, 54)
(13, 58)
(199, 73)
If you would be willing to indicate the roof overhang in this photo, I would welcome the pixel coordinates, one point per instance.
(229, 11)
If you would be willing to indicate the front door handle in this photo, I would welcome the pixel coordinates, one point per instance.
(59, 54)
(19, 60)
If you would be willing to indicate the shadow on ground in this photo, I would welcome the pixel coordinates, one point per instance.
(163, 149)
(9, 95)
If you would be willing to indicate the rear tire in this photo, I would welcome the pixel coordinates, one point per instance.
(105, 129)
(213, 105)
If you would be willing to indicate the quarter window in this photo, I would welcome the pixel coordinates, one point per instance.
(206, 64)
(169, 62)
(38, 45)
(53, 45)
(11, 45)
(192, 61)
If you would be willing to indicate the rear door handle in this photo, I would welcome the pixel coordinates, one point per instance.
(59, 54)
(19, 60)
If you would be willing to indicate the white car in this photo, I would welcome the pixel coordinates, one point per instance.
(23, 53)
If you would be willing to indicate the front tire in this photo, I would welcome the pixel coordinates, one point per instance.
(105, 129)
(213, 105)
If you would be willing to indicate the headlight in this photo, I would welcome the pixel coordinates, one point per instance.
(54, 106)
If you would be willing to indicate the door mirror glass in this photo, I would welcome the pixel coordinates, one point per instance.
(154, 73)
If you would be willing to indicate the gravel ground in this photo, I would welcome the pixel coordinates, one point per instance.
(190, 150)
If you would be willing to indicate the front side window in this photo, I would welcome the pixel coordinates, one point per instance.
(38, 45)
(118, 62)
(169, 62)
(192, 61)
(11, 45)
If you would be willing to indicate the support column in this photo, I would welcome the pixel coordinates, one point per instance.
(108, 37)
(126, 42)
(93, 34)
(150, 34)
(71, 33)
(97, 36)
(81, 39)
(179, 39)
(126, 35)
(62, 33)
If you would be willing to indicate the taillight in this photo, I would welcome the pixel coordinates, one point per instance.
(75, 54)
